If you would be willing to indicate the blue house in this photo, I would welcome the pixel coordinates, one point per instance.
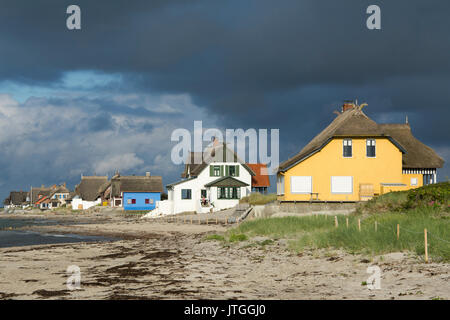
(137, 192)
(140, 200)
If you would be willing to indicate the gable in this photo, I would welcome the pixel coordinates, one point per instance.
(333, 149)
(219, 153)
(350, 123)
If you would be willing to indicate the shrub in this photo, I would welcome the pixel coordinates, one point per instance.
(257, 198)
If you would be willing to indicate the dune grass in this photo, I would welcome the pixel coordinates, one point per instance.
(257, 198)
(320, 232)
(215, 237)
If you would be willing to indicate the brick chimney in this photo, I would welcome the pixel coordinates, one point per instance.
(215, 141)
(348, 105)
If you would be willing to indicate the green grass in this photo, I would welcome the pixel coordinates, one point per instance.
(237, 237)
(258, 198)
(320, 232)
(126, 212)
(215, 237)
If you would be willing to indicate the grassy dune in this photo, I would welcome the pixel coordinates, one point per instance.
(413, 211)
(257, 198)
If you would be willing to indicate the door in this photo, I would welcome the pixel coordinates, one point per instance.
(365, 191)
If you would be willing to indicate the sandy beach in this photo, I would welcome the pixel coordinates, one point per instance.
(157, 260)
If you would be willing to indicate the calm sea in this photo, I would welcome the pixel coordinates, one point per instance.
(13, 238)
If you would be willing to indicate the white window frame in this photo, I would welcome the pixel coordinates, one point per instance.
(331, 184)
(416, 181)
(345, 143)
(305, 178)
(374, 145)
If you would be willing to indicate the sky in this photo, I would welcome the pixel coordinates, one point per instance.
(107, 97)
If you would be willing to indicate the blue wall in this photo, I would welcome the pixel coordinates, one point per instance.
(140, 200)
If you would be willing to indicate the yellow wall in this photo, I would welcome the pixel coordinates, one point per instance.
(386, 167)
(407, 180)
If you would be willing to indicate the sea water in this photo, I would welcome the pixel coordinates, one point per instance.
(12, 238)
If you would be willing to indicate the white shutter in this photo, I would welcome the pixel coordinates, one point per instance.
(280, 185)
(301, 184)
(342, 184)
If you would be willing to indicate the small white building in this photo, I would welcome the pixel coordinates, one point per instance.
(215, 184)
(87, 193)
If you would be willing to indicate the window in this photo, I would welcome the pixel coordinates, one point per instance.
(347, 148)
(215, 171)
(131, 201)
(370, 148)
(233, 171)
(414, 181)
(301, 184)
(128, 201)
(118, 203)
(203, 193)
(229, 192)
(186, 194)
(342, 184)
(147, 201)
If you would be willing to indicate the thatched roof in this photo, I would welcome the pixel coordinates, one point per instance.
(193, 169)
(16, 198)
(39, 191)
(88, 189)
(59, 189)
(121, 184)
(417, 155)
(353, 122)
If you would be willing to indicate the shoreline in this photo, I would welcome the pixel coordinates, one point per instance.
(158, 260)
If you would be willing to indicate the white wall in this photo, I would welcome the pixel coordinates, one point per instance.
(86, 204)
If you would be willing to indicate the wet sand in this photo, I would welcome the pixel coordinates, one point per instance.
(157, 260)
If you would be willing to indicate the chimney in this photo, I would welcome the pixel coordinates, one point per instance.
(147, 174)
(215, 141)
(348, 105)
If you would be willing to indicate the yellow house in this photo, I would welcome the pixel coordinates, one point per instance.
(354, 159)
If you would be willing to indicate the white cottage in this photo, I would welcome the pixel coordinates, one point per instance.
(215, 184)
(87, 193)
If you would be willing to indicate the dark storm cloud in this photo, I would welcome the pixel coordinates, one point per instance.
(260, 63)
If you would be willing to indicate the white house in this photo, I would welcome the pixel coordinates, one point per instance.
(58, 196)
(215, 184)
(88, 192)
